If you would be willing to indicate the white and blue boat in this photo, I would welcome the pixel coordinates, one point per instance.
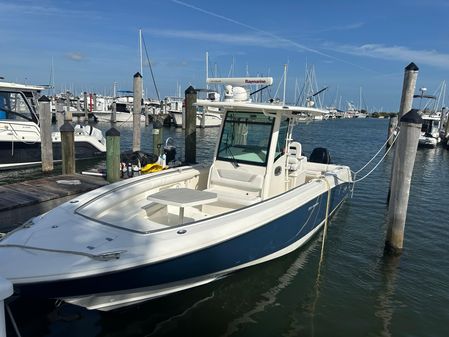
(157, 234)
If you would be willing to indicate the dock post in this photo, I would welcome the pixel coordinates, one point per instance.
(112, 155)
(114, 112)
(45, 130)
(157, 136)
(393, 123)
(85, 108)
(137, 110)
(190, 131)
(94, 102)
(59, 112)
(67, 148)
(203, 118)
(403, 162)
(68, 113)
(147, 118)
(6, 290)
(408, 89)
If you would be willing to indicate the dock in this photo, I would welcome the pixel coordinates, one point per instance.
(23, 200)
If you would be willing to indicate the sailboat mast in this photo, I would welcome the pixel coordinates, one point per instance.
(207, 69)
(141, 60)
(285, 83)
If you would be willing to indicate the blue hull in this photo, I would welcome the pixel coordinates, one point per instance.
(268, 239)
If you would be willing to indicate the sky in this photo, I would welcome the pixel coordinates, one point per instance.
(350, 44)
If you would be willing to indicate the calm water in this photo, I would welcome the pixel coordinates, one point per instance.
(356, 290)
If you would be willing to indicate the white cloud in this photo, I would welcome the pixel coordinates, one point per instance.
(397, 53)
(75, 56)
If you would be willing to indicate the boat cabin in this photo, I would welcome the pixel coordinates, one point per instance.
(19, 101)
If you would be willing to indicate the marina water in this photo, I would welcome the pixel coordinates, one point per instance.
(354, 291)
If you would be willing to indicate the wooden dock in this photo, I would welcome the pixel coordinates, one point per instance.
(33, 192)
(22, 201)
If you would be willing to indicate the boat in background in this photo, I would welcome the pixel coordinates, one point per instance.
(430, 130)
(157, 234)
(20, 138)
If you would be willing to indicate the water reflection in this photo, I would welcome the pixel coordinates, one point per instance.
(270, 296)
(385, 300)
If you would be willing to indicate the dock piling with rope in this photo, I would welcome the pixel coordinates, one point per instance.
(403, 162)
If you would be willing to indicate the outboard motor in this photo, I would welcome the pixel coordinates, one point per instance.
(320, 155)
(170, 150)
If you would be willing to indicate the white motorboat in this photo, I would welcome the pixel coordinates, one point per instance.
(430, 130)
(157, 234)
(20, 138)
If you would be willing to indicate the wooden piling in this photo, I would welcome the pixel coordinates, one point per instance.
(114, 112)
(404, 159)
(157, 136)
(393, 123)
(137, 110)
(94, 102)
(112, 155)
(408, 88)
(203, 118)
(45, 130)
(68, 113)
(67, 148)
(59, 112)
(190, 131)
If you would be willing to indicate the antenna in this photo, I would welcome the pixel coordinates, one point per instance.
(285, 83)
(207, 69)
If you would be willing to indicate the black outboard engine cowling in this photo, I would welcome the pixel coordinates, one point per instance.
(320, 155)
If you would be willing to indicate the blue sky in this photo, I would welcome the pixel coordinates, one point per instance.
(351, 44)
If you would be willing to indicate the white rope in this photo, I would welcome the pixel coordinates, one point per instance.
(380, 161)
(326, 219)
(385, 144)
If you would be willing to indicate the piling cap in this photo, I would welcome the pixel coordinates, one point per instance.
(412, 67)
(112, 132)
(412, 117)
(66, 127)
(137, 75)
(190, 90)
(43, 98)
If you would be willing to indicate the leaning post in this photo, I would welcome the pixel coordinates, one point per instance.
(190, 131)
(67, 148)
(404, 159)
(408, 89)
(45, 130)
(137, 110)
(112, 155)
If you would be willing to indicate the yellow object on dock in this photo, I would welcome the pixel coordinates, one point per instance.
(150, 168)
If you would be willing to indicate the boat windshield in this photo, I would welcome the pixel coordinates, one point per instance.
(245, 138)
(14, 105)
